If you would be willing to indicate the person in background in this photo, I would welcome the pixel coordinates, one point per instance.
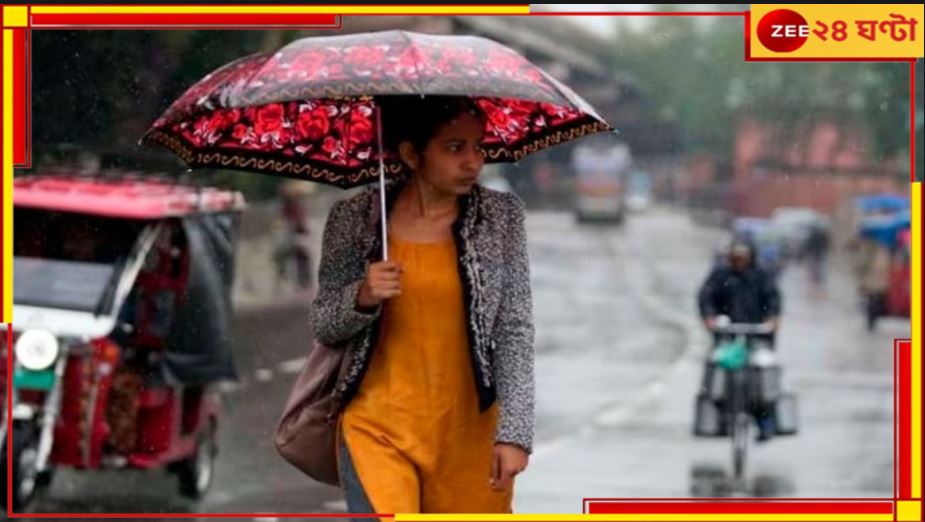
(745, 293)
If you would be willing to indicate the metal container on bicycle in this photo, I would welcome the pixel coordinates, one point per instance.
(708, 420)
(729, 356)
(765, 378)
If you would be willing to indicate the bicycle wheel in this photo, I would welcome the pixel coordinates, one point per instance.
(740, 444)
(740, 423)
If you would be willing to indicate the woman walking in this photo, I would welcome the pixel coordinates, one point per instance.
(438, 399)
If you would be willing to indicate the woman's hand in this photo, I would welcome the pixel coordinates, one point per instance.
(382, 281)
(507, 460)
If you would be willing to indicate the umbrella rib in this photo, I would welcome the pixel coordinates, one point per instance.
(414, 48)
(234, 98)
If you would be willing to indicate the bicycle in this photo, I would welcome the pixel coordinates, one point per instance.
(742, 396)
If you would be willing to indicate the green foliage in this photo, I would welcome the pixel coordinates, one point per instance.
(694, 71)
(98, 91)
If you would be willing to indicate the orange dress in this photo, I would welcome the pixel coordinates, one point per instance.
(414, 431)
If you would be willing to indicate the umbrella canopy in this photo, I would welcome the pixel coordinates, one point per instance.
(882, 203)
(309, 110)
(885, 229)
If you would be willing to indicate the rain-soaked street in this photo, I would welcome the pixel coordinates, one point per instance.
(619, 351)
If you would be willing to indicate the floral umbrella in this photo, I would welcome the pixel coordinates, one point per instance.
(309, 110)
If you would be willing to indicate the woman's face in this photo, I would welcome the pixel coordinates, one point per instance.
(452, 159)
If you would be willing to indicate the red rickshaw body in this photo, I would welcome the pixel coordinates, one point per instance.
(116, 408)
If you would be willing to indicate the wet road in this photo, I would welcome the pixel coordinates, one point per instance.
(619, 353)
(633, 437)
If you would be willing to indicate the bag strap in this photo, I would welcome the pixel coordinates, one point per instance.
(337, 399)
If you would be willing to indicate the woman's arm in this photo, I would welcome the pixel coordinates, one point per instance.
(513, 335)
(334, 316)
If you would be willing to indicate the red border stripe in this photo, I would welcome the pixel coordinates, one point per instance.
(28, 100)
(905, 419)
(747, 30)
(637, 13)
(170, 19)
(19, 96)
(173, 516)
(895, 418)
(244, 4)
(8, 493)
(741, 508)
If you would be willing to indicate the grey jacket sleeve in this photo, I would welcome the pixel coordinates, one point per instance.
(513, 335)
(333, 315)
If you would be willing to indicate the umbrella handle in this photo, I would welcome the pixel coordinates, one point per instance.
(382, 209)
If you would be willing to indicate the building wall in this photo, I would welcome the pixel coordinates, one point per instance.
(819, 166)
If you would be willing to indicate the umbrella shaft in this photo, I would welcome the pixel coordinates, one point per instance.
(382, 209)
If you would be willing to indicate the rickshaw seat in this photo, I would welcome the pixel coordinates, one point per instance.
(159, 294)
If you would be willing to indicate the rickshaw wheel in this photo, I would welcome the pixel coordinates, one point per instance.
(24, 453)
(197, 471)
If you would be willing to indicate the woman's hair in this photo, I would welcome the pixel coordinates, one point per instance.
(418, 119)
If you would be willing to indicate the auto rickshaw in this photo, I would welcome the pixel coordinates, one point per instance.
(121, 327)
(885, 270)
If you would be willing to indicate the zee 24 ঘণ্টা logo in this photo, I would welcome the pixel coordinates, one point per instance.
(785, 31)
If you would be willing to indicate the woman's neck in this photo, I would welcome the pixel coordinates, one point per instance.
(421, 199)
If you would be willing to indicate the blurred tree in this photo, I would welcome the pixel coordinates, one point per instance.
(98, 91)
(695, 72)
(684, 71)
(886, 107)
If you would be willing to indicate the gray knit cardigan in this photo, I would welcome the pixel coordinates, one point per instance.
(494, 270)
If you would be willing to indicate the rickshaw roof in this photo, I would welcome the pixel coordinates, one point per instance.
(130, 197)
